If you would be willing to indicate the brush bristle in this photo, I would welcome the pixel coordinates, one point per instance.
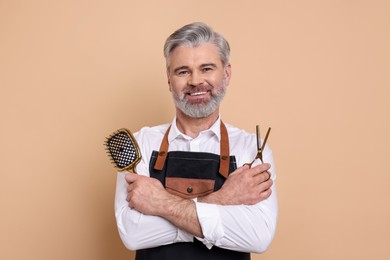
(121, 149)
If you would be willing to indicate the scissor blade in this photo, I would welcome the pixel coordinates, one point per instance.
(265, 139)
(258, 137)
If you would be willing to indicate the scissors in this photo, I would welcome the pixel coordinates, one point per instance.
(260, 146)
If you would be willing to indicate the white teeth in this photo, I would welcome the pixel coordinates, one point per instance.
(197, 93)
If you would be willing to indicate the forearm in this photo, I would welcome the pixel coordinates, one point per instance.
(149, 197)
(139, 231)
(213, 198)
(181, 213)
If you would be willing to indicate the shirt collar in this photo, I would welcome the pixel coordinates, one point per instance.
(174, 132)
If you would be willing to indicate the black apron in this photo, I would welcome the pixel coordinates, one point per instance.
(189, 175)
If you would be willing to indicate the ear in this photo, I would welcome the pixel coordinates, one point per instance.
(169, 84)
(228, 73)
(169, 80)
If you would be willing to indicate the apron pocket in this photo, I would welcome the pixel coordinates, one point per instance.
(189, 188)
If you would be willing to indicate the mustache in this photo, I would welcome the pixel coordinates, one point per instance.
(190, 89)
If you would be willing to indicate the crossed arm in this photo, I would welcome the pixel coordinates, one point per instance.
(246, 186)
(237, 202)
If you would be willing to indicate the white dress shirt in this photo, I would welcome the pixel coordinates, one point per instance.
(240, 227)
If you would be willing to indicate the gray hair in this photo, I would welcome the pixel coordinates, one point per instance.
(195, 34)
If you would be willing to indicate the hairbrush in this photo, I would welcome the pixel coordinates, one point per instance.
(123, 150)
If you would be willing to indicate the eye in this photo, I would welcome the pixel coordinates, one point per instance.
(206, 69)
(182, 72)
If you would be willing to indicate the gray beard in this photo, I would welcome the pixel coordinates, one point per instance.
(200, 110)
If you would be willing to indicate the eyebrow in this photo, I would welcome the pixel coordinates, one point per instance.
(209, 65)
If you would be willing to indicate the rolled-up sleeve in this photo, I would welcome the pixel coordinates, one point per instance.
(139, 231)
(245, 228)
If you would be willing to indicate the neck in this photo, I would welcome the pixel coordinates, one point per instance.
(193, 126)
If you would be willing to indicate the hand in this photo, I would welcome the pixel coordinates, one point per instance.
(145, 194)
(148, 196)
(245, 185)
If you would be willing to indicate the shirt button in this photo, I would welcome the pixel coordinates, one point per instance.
(189, 189)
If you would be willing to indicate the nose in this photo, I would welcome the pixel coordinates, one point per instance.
(195, 79)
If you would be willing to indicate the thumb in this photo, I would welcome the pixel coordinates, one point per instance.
(131, 177)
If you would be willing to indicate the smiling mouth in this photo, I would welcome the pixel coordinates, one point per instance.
(197, 93)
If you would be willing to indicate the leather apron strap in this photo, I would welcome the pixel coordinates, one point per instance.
(224, 152)
(163, 152)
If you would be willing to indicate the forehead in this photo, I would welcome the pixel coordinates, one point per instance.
(195, 56)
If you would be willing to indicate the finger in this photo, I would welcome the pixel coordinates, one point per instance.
(131, 177)
(260, 168)
(265, 194)
(262, 177)
(268, 174)
(266, 185)
(130, 204)
(251, 170)
(130, 187)
(264, 167)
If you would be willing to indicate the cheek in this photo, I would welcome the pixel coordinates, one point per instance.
(217, 81)
(174, 89)
(176, 85)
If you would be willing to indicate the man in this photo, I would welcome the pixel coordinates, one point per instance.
(189, 199)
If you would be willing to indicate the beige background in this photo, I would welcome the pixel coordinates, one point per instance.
(71, 72)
